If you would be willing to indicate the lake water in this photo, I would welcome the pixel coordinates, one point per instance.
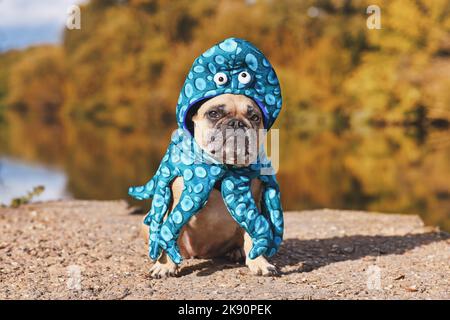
(18, 177)
(402, 170)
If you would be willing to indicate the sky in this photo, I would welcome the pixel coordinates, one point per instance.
(28, 22)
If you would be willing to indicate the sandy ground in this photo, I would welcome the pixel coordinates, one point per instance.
(93, 250)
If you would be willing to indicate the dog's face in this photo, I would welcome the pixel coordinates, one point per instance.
(227, 128)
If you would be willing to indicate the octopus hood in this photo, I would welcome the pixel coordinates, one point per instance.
(233, 66)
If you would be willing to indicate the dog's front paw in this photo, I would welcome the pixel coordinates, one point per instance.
(163, 270)
(261, 267)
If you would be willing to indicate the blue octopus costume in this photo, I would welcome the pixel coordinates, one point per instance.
(232, 66)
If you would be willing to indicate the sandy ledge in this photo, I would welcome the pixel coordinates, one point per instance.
(327, 254)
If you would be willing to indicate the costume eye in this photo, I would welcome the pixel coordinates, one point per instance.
(244, 77)
(254, 117)
(220, 78)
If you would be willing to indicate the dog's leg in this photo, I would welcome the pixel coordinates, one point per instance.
(258, 266)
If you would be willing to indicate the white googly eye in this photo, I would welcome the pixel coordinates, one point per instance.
(244, 77)
(220, 78)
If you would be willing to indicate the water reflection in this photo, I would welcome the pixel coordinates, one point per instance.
(17, 178)
(381, 169)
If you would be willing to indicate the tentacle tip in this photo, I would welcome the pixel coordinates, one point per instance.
(154, 251)
(147, 220)
(271, 252)
(177, 260)
(154, 257)
(133, 193)
(174, 255)
(256, 252)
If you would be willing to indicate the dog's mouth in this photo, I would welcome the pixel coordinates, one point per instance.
(234, 146)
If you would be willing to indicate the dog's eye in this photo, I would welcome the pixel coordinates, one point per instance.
(244, 77)
(254, 117)
(220, 78)
(213, 114)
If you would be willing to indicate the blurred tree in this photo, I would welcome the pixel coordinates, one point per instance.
(127, 63)
(36, 84)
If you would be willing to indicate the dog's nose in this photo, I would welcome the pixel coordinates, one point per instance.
(236, 124)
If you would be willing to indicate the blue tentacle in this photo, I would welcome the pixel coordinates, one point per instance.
(157, 188)
(144, 192)
(271, 207)
(155, 217)
(198, 180)
(236, 192)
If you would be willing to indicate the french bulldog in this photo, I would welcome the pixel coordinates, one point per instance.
(216, 125)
